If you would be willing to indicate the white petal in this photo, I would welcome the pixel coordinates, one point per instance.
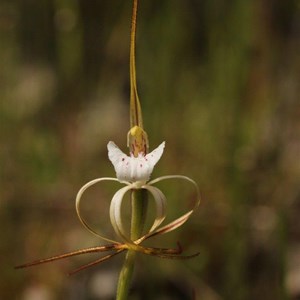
(115, 213)
(133, 169)
(181, 220)
(77, 203)
(116, 219)
(154, 156)
(161, 204)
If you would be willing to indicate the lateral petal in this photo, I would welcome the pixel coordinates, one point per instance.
(115, 214)
(77, 205)
(154, 156)
(182, 219)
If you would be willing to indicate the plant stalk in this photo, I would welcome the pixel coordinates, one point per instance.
(139, 201)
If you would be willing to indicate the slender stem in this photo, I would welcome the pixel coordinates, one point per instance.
(139, 203)
(126, 276)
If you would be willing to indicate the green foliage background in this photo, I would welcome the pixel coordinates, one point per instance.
(219, 82)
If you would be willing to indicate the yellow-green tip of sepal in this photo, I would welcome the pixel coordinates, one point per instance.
(137, 141)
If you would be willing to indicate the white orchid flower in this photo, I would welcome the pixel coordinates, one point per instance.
(134, 173)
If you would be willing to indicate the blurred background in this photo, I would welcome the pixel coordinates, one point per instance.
(219, 81)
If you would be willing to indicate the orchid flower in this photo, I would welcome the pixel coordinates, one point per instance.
(134, 173)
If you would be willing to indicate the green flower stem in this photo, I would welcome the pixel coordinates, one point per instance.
(125, 276)
(139, 201)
